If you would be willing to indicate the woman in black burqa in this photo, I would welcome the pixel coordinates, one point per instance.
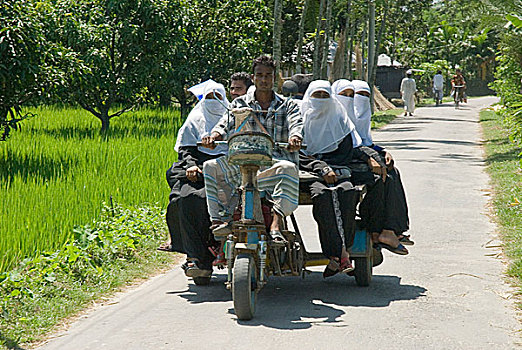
(332, 145)
(187, 215)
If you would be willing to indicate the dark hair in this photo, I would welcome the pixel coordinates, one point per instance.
(244, 77)
(458, 70)
(289, 88)
(263, 60)
(302, 81)
(439, 72)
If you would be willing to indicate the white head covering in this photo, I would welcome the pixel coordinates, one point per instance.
(199, 89)
(347, 101)
(202, 119)
(325, 121)
(363, 112)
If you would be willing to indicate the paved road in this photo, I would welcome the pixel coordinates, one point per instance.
(447, 294)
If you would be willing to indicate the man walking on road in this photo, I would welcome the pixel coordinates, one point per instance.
(438, 86)
(408, 90)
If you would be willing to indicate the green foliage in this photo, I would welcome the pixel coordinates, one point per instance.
(119, 44)
(28, 62)
(210, 39)
(515, 20)
(50, 286)
(425, 78)
(424, 31)
(508, 83)
(58, 169)
(506, 175)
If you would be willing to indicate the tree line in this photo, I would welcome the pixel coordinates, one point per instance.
(109, 56)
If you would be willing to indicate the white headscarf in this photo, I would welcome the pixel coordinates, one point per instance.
(202, 119)
(363, 112)
(347, 101)
(325, 121)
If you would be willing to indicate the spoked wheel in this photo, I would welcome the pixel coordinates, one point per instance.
(244, 285)
(201, 281)
(363, 271)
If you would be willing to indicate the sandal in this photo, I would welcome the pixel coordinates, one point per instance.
(329, 272)
(399, 250)
(405, 239)
(277, 238)
(192, 269)
(165, 247)
(346, 265)
(220, 260)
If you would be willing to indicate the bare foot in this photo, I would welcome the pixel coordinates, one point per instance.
(275, 226)
(389, 237)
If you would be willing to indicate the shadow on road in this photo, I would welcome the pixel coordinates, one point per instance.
(407, 142)
(399, 129)
(293, 303)
(449, 119)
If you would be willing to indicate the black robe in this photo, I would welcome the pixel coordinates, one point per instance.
(334, 207)
(396, 206)
(187, 215)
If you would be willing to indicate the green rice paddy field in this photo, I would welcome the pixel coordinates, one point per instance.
(58, 171)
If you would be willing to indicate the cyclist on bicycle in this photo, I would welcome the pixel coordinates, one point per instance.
(458, 80)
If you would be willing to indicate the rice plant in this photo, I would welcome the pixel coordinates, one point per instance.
(58, 171)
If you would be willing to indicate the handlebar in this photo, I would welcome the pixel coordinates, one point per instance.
(199, 143)
(278, 144)
(285, 145)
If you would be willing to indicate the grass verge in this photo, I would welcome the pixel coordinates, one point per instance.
(381, 118)
(110, 253)
(57, 170)
(504, 168)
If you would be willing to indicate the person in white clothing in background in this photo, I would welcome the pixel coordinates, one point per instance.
(408, 90)
(438, 86)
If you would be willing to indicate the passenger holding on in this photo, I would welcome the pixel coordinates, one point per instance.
(282, 120)
(239, 84)
(289, 89)
(331, 142)
(187, 216)
(394, 207)
(408, 90)
(302, 81)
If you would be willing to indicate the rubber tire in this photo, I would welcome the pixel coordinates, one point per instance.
(242, 280)
(201, 281)
(377, 257)
(363, 271)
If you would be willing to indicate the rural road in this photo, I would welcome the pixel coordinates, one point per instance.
(449, 293)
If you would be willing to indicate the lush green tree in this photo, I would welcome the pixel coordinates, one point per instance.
(117, 43)
(212, 39)
(508, 83)
(28, 62)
